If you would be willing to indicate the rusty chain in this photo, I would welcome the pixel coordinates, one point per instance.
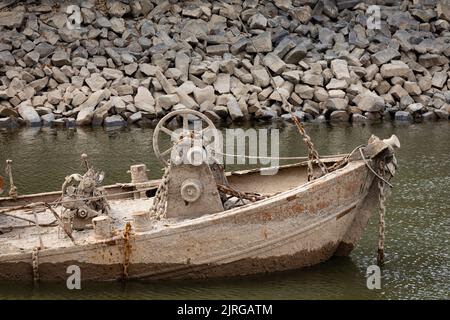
(126, 250)
(159, 206)
(35, 264)
(382, 213)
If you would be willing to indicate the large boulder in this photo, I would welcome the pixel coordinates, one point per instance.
(29, 114)
(144, 101)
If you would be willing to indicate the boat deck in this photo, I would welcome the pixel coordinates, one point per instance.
(22, 236)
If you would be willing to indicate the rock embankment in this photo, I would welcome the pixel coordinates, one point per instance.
(124, 62)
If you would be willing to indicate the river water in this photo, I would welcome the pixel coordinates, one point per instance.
(417, 222)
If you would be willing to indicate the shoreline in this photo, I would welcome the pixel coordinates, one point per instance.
(126, 63)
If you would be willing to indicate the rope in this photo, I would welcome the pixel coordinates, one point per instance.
(373, 171)
(61, 223)
(275, 158)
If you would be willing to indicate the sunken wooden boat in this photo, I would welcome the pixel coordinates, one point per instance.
(280, 222)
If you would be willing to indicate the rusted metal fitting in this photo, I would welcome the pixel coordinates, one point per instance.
(191, 190)
(141, 220)
(102, 227)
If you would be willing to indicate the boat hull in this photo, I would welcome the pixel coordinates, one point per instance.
(297, 228)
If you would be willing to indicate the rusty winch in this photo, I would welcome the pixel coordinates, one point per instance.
(190, 188)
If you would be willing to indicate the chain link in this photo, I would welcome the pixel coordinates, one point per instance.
(35, 264)
(159, 207)
(382, 212)
(126, 250)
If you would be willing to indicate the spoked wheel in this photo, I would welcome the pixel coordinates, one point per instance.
(201, 133)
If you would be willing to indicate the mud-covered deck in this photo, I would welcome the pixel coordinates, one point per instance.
(22, 236)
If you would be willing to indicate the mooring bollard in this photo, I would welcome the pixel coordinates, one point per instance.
(102, 227)
(139, 176)
(141, 221)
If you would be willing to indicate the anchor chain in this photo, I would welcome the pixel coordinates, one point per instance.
(159, 206)
(12, 188)
(35, 264)
(126, 250)
(382, 213)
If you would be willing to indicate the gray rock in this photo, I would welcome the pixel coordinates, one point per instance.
(168, 100)
(414, 108)
(144, 101)
(118, 25)
(257, 21)
(396, 68)
(96, 82)
(182, 63)
(274, 63)
(135, 117)
(260, 43)
(94, 99)
(60, 58)
(11, 19)
(260, 76)
(221, 111)
(119, 9)
(284, 5)
(429, 60)
(339, 68)
(295, 55)
(234, 109)
(205, 94)
(84, 117)
(9, 122)
(439, 79)
(124, 90)
(44, 49)
(6, 58)
(339, 116)
(31, 58)
(370, 102)
(335, 104)
(114, 121)
(222, 83)
(429, 116)
(218, 49)
(356, 117)
(29, 114)
(403, 116)
(8, 112)
(384, 56)
(114, 55)
(312, 79)
(47, 119)
(112, 74)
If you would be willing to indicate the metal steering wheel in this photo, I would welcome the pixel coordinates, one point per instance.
(183, 132)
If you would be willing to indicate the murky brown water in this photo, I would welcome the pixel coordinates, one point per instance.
(418, 214)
